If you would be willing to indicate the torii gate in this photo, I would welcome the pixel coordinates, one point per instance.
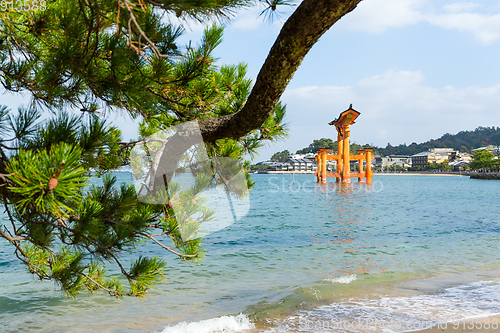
(343, 157)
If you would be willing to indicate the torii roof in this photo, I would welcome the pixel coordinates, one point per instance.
(346, 117)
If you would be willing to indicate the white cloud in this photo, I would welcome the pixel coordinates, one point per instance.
(485, 28)
(377, 16)
(460, 7)
(396, 107)
(248, 20)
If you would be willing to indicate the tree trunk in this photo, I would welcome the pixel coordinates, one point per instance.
(299, 33)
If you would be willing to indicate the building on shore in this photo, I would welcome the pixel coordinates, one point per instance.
(302, 164)
(401, 160)
(307, 162)
(309, 156)
(266, 163)
(458, 165)
(492, 149)
(421, 159)
(439, 155)
(280, 167)
(435, 155)
(295, 164)
(464, 157)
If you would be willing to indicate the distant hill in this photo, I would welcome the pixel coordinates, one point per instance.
(463, 141)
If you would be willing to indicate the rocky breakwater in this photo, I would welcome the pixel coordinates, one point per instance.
(485, 175)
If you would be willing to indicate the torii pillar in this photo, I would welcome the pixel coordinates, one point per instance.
(342, 123)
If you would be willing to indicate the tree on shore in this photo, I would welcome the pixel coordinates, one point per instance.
(280, 156)
(99, 55)
(323, 143)
(444, 166)
(332, 146)
(483, 159)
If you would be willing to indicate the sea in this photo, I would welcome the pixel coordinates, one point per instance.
(398, 255)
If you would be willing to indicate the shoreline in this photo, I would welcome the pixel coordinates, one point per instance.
(289, 319)
(481, 324)
(419, 174)
(284, 172)
(374, 174)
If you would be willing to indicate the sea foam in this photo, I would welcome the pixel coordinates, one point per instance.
(224, 324)
(343, 279)
(398, 313)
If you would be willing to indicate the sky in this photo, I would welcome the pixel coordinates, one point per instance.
(414, 69)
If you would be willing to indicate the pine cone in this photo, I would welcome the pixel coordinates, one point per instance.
(52, 184)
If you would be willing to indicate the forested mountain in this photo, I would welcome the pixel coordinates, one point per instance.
(463, 141)
(330, 144)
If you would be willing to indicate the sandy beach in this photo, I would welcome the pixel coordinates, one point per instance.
(416, 174)
(475, 325)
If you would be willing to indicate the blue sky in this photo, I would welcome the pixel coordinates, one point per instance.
(415, 69)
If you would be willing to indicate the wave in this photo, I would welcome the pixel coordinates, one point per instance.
(453, 303)
(343, 279)
(391, 313)
(224, 324)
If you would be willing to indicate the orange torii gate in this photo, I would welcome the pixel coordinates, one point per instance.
(343, 157)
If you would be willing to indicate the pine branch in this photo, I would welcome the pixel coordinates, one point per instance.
(141, 34)
(11, 239)
(110, 291)
(182, 256)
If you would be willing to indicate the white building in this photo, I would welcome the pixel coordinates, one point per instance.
(493, 149)
(302, 156)
(301, 164)
(402, 160)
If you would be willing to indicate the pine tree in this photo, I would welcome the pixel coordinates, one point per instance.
(483, 159)
(100, 55)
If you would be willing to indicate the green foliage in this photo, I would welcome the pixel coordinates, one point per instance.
(280, 156)
(273, 129)
(332, 146)
(107, 54)
(23, 125)
(353, 147)
(483, 159)
(123, 54)
(260, 168)
(394, 167)
(323, 143)
(32, 172)
(444, 166)
(145, 272)
(66, 231)
(463, 141)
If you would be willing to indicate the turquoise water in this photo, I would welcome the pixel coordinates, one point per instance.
(305, 254)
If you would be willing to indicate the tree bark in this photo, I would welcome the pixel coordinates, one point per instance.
(299, 33)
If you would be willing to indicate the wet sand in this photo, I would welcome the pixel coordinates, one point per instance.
(489, 324)
(416, 174)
